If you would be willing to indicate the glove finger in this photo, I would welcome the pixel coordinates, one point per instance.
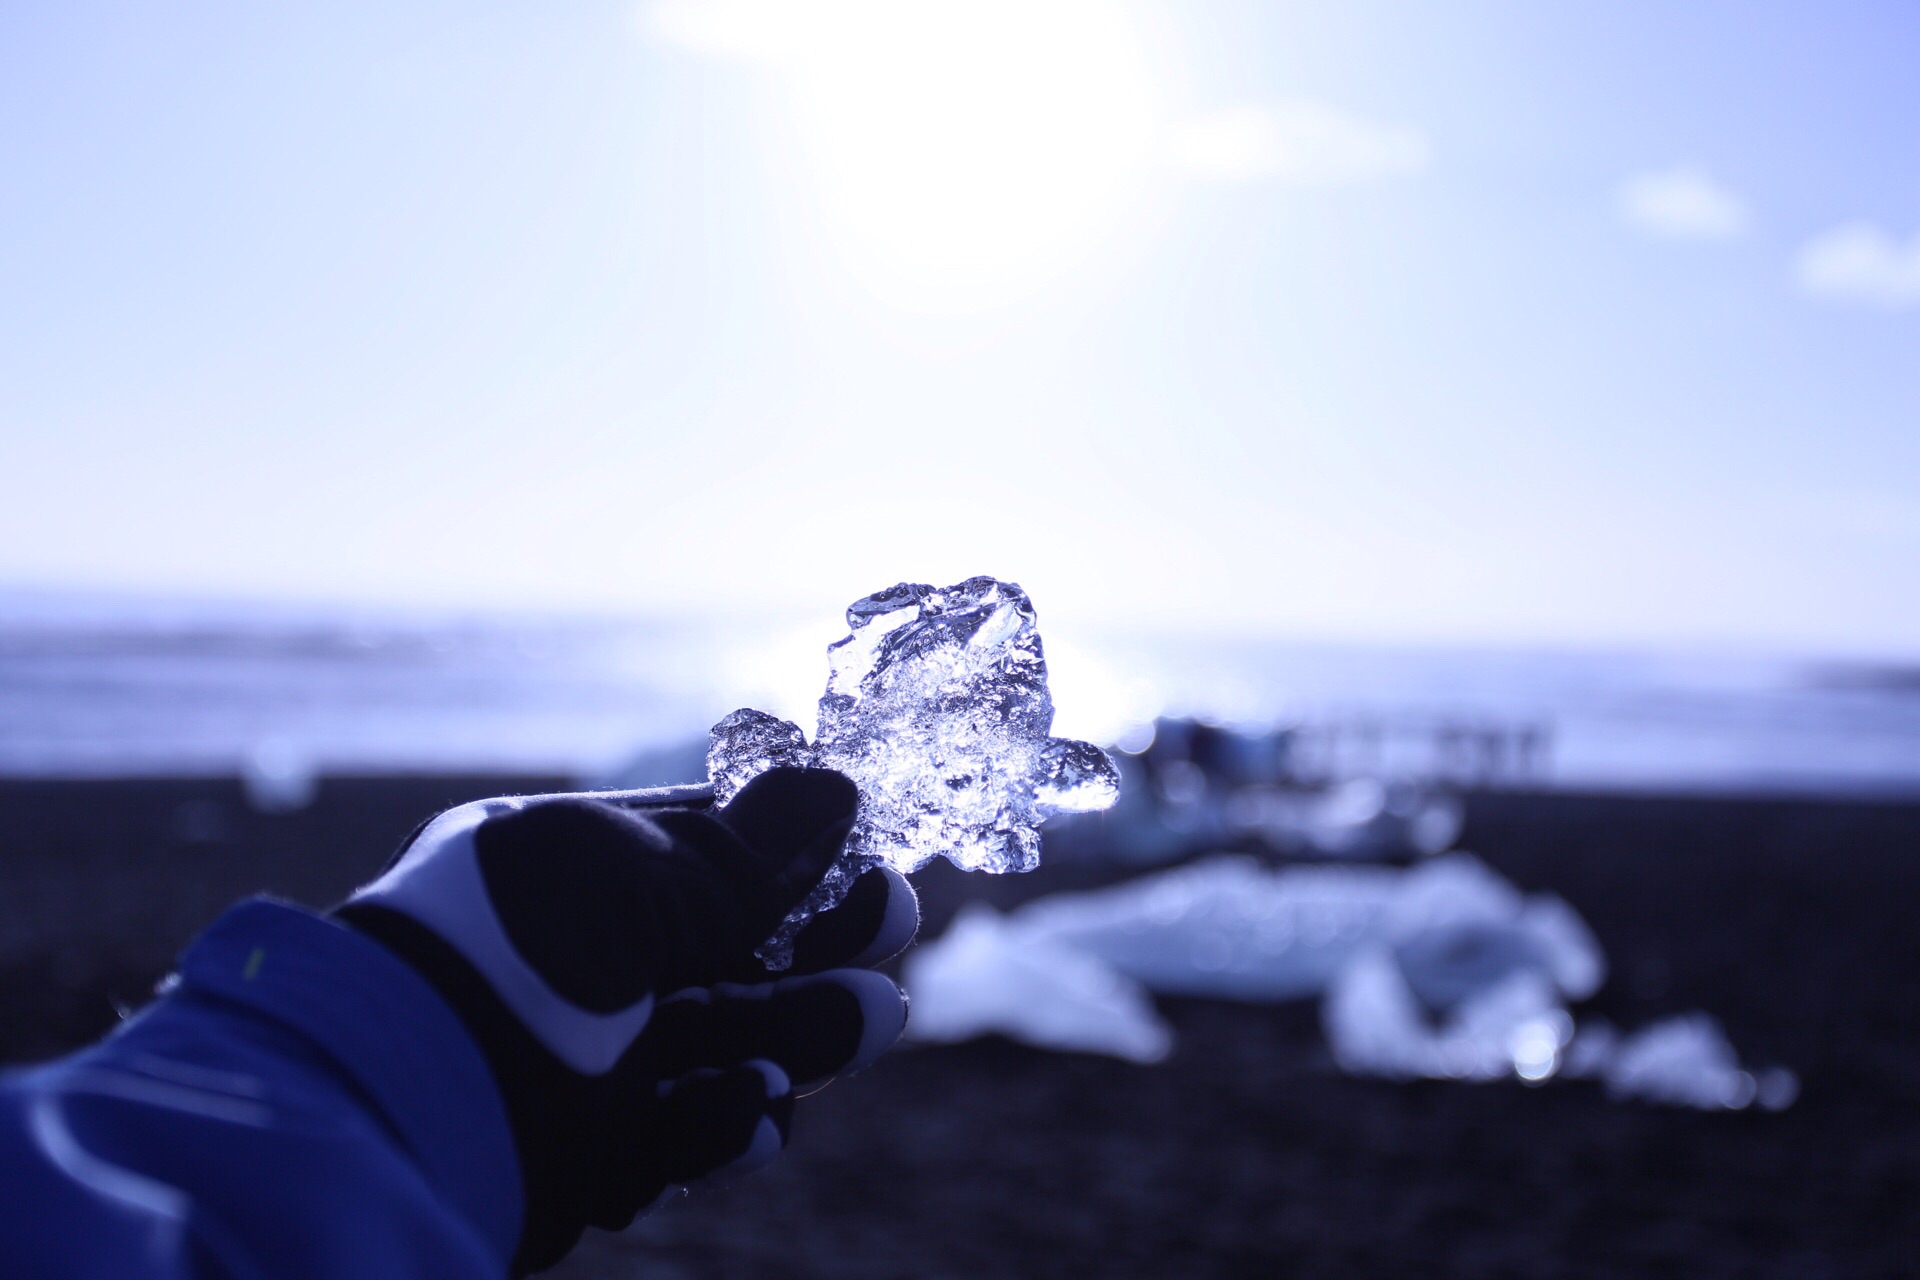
(710, 1124)
(608, 904)
(875, 921)
(775, 840)
(696, 1110)
(814, 1027)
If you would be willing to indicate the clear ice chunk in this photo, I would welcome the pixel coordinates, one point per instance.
(937, 708)
(753, 742)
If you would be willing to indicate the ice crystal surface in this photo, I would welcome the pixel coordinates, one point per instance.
(746, 744)
(937, 708)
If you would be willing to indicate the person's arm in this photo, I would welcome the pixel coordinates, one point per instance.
(546, 1014)
(299, 1104)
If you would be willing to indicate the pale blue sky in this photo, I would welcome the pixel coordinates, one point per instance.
(1569, 324)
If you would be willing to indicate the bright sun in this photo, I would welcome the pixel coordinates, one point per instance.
(962, 154)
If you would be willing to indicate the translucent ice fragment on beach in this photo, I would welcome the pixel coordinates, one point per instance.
(937, 708)
(990, 975)
(1686, 1061)
(1443, 969)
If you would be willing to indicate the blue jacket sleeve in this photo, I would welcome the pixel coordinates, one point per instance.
(300, 1104)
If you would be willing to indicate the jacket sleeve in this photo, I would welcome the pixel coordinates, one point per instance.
(299, 1104)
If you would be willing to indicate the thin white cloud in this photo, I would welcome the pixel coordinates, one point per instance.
(1862, 264)
(1302, 144)
(1682, 203)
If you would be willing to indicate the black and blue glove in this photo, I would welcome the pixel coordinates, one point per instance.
(600, 950)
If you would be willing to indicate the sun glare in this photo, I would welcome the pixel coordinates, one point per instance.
(961, 154)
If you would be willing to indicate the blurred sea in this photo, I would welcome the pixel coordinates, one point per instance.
(109, 687)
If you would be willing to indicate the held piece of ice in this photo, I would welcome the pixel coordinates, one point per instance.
(937, 708)
(747, 743)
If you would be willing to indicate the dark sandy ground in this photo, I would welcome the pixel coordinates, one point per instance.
(1246, 1153)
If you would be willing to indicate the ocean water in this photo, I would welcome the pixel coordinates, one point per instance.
(106, 688)
(1695, 722)
(186, 691)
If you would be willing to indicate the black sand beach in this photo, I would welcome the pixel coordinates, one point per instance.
(1246, 1153)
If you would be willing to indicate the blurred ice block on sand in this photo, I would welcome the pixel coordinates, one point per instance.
(1066, 999)
(1231, 927)
(1516, 1025)
(1686, 1061)
(1223, 926)
(1441, 971)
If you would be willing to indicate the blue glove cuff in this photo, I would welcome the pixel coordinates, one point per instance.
(390, 1032)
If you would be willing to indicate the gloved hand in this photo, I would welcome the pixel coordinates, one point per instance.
(599, 948)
